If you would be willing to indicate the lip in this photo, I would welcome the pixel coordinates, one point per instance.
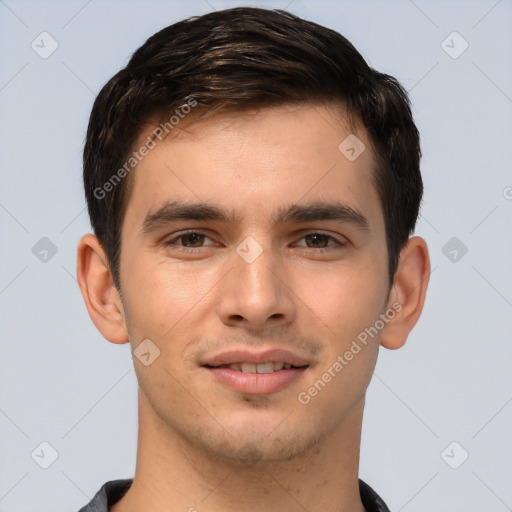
(256, 383)
(245, 356)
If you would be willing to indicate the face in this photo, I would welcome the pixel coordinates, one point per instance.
(253, 256)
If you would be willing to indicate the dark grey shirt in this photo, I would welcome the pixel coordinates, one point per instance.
(113, 491)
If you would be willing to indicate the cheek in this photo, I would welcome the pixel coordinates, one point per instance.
(345, 300)
(345, 305)
(162, 293)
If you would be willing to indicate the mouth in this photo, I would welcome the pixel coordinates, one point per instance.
(256, 373)
(260, 368)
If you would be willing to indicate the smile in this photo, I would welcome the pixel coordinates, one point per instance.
(256, 379)
(257, 373)
(268, 367)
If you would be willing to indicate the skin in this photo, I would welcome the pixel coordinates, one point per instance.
(201, 444)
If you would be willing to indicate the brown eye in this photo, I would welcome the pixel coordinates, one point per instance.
(317, 240)
(192, 239)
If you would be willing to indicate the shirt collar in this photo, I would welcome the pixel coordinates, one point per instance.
(114, 490)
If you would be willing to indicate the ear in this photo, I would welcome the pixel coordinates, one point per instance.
(100, 295)
(408, 292)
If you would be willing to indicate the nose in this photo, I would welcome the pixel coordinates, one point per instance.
(255, 295)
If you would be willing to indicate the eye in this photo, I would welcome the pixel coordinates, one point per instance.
(320, 241)
(191, 240)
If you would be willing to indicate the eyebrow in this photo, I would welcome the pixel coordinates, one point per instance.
(172, 211)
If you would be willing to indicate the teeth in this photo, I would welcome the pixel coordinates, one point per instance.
(259, 368)
(265, 368)
(248, 368)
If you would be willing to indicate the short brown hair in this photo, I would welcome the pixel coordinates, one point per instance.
(243, 58)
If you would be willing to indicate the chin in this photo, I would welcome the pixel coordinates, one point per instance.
(249, 446)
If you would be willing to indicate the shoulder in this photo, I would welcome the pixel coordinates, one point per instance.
(372, 502)
(107, 496)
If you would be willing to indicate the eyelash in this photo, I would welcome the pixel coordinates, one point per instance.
(173, 240)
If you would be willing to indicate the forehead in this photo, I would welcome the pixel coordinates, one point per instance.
(255, 161)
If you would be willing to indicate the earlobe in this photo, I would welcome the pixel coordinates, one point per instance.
(407, 293)
(100, 295)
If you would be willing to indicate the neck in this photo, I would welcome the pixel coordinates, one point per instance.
(172, 475)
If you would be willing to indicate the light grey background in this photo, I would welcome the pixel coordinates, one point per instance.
(62, 383)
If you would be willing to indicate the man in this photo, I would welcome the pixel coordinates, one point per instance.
(252, 185)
